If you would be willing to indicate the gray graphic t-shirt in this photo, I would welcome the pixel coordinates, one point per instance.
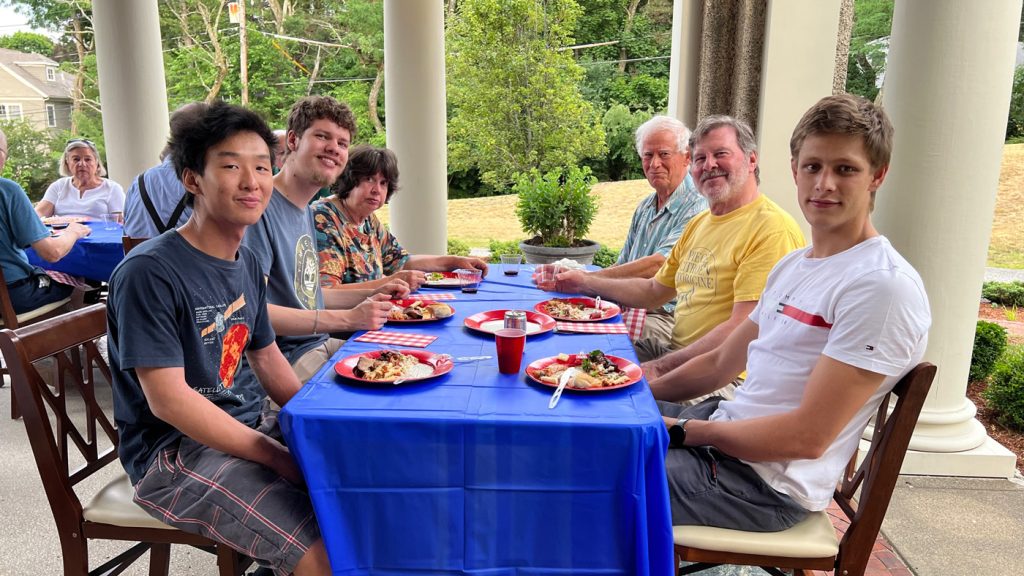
(283, 243)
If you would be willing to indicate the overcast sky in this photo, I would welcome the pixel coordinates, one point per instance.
(11, 22)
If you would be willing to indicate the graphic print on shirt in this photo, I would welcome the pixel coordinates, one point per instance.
(696, 281)
(218, 330)
(802, 316)
(307, 272)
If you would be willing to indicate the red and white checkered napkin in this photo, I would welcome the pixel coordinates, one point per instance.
(432, 296)
(634, 319)
(591, 327)
(67, 279)
(397, 338)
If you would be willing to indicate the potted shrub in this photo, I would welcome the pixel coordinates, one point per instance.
(557, 209)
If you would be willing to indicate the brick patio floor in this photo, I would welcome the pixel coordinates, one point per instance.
(883, 562)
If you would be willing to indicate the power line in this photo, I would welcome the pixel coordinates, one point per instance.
(626, 60)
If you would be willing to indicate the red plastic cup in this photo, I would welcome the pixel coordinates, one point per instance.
(510, 342)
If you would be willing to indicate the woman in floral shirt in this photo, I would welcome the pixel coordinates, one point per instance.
(354, 246)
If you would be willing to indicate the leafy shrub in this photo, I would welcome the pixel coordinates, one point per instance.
(1007, 294)
(499, 247)
(556, 207)
(605, 257)
(457, 247)
(1005, 392)
(989, 344)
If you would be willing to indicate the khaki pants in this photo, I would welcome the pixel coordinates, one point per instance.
(312, 361)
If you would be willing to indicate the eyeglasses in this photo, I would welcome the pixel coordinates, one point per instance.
(85, 141)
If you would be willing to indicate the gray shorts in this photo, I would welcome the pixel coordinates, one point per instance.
(709, 488)
(237, 502)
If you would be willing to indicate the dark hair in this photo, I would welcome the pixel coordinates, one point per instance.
(207, 125)
(365, 161)
(313, 108)
(851, 115)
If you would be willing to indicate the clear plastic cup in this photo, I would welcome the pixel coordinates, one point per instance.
(469, 280)
(546, 280)
(510, 264)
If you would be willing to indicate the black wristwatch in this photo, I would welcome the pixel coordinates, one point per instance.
(677, 433)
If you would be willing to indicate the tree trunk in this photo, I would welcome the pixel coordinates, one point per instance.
(313, 75)
(626, 29)
(79, 93)
(372, 100)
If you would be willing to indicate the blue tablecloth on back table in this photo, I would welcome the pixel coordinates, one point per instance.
(471, 473)
(93, 257)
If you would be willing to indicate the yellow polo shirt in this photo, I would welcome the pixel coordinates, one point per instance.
(724, 259)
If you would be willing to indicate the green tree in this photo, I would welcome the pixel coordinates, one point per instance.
(1015, 120)
(622, 161)
(514, 96)
(29, 42)
(32, 156)
(872, 24)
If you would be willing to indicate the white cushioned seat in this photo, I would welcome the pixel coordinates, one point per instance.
(114, 505)
(37, 312)
(814, 537)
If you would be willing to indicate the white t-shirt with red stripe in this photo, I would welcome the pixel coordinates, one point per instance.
(865, 307)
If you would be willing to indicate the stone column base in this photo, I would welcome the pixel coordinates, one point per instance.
(990, 460)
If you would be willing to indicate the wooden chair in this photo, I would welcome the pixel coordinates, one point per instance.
(63, 438)
(129, 242)
(812, 544)
(9, 319)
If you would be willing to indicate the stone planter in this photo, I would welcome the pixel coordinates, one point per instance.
(545, 255)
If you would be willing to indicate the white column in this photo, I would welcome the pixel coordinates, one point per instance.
(133, 91)
(947, 91)
(684, 66)
(414, 96)
(798, 68)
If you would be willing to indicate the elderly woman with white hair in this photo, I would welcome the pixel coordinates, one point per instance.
(83, 190)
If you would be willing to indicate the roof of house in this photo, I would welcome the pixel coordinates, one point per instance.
(16, 62)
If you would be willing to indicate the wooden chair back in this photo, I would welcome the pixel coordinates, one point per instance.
(11, 320)
(7, 313)
(875, 478)
(68, 447)
(129, 242)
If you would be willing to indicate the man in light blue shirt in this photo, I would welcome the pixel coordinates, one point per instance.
(165, 192)
(663, 145)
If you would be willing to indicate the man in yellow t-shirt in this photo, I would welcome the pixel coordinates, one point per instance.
(719, 266)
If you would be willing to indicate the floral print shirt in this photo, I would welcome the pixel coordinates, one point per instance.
(351, 253)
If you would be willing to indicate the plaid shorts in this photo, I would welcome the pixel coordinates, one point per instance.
(234, 501)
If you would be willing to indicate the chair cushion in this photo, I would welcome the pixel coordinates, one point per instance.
(37, 312)
(813, 538)
(113, 505)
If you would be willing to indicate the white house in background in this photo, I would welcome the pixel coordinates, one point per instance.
(33, 87)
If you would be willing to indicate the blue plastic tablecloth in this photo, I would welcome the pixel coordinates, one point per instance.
(93, 257)
(471, 473)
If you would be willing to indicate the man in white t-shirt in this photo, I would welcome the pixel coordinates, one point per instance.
(838, 324)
